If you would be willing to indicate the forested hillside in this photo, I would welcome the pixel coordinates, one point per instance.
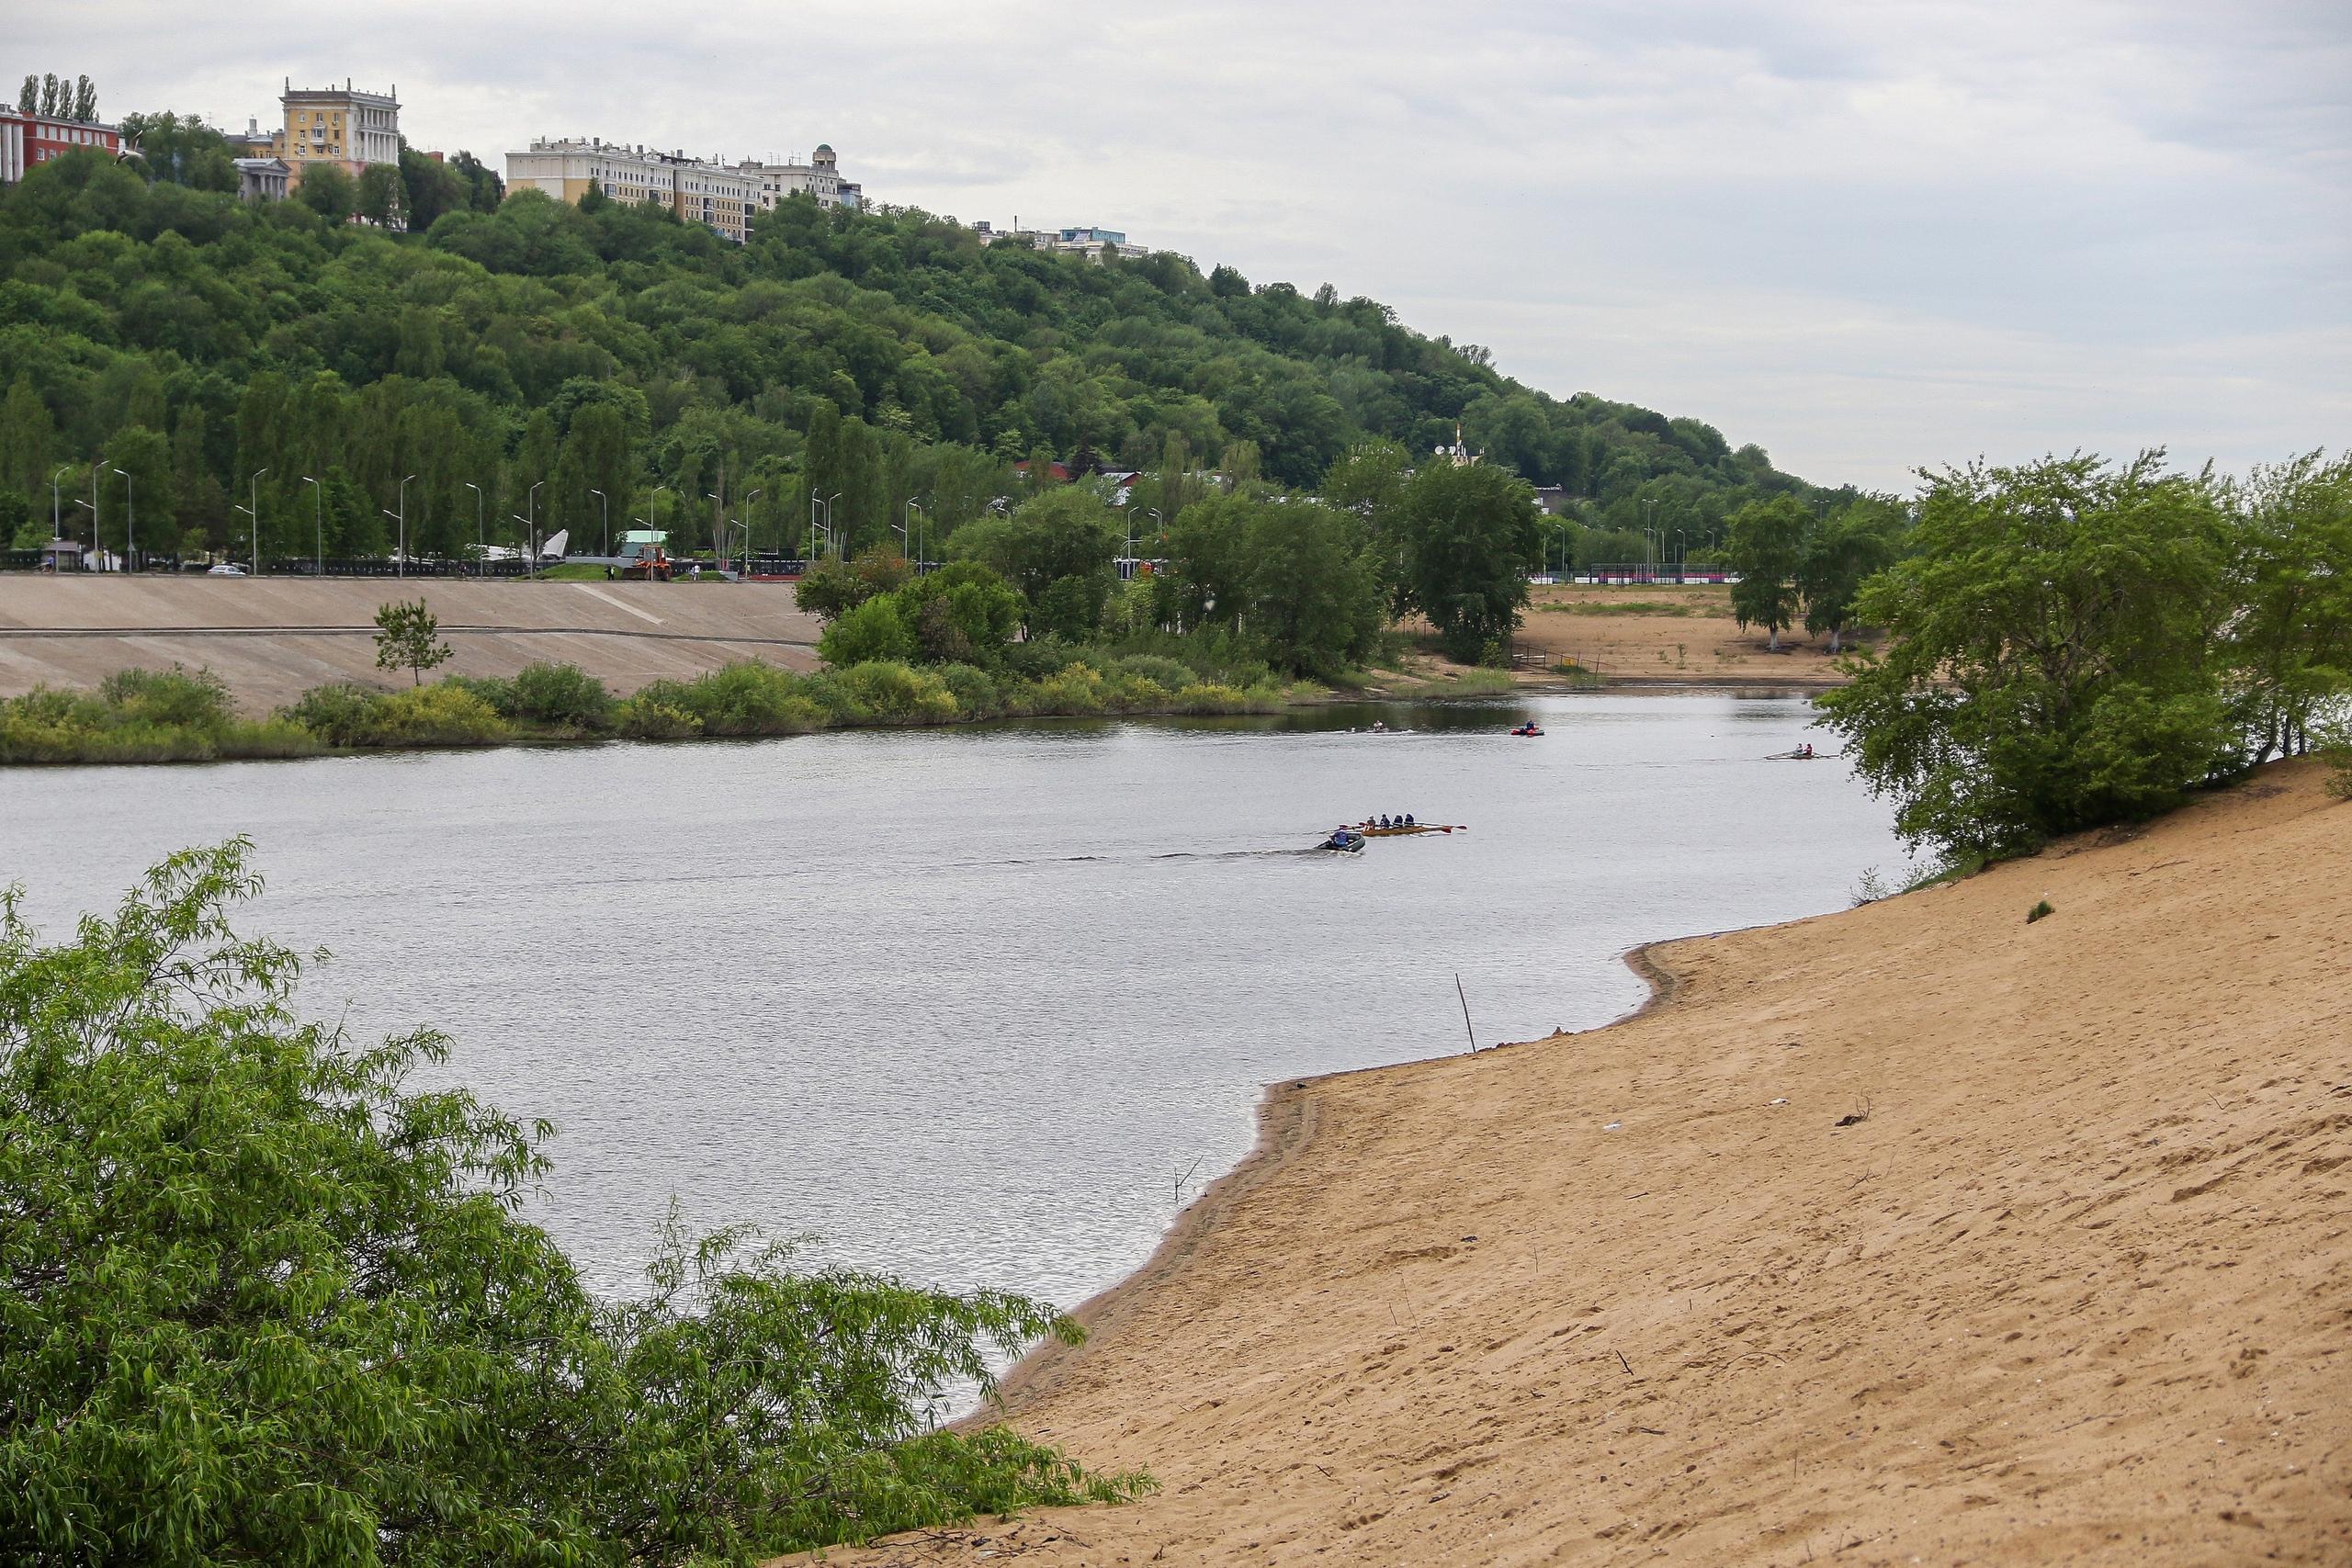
(522, 359)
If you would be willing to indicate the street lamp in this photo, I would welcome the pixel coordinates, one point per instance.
(130, 519)
(530, 531)
(914, 524)
(318, 525)
(252, 511)
(757, 491)
(400, 562)
(482, 539)
(56, 513)
(608, 520)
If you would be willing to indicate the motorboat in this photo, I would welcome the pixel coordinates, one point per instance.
(1344, 841)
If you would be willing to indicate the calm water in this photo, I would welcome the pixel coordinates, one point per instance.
(967, 1003)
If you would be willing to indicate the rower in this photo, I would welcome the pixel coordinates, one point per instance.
(1409, 819)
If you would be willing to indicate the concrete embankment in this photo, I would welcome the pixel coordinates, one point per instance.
(1913, 1234)
(273, 639)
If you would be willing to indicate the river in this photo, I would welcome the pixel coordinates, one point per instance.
(977, 1005)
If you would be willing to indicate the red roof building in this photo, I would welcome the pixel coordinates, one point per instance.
(28, 141)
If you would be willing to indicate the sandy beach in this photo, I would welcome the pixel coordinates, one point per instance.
(1667, 634)
(1911, 1234)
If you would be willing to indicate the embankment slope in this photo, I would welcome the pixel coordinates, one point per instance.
(273, 639)
(1911, 1234)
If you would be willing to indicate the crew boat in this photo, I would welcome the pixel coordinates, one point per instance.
(1343, 840)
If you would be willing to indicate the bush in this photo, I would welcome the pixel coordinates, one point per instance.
(339, 716)
(498, 694)
(1075, 690)
(269, 1303)
(1207, 699)
(748, 698)
(1173, 675)
(974, 691)
(560, 695)
(2041, 911)
(893, 693)
(833, 697)
(874, 630)
(443, 713)
(646, 716)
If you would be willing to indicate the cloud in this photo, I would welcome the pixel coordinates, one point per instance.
(1866, 238)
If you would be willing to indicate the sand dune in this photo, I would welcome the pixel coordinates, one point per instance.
(2076, 1286)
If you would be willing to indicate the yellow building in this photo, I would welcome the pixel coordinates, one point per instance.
(339, 125)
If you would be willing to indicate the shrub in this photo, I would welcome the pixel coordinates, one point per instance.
(1075, 689)
(1210, 698)
(338, 715)
(974, 691)
(499, 694)
(1173, 675)
(439, 714)
(177, 697)
(748, 698)
(1041, 657)
(1126, 692)
(270, 1302)
(875, 629)
(832, 696)
(560, 695)
(646, 716)
(2040, 911)
(894, 691)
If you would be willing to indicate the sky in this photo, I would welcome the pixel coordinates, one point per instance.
(1868, 237)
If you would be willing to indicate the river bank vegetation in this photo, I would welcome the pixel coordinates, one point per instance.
(2072, 643)
(262, 1300)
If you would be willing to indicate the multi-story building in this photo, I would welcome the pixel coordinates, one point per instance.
(338, 125)
(820, 177)
(712, 194)
(30, 140)
(1083, 241)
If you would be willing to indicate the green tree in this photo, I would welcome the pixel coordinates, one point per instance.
(1312, 597)
(875, 629)
(329, 1337)
(329, 190)
(25, 434)
(1766, 546)
(2049, 665)
(1057, 550)
(1469, 535)
(962, 614)
(408, 636)
(1851, 546)
(379, 195)
(2290, 646)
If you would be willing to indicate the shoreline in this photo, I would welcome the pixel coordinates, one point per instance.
(1878, 1232)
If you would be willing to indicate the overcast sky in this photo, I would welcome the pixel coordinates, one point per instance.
(1869, 237)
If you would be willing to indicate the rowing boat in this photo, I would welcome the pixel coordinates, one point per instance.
(1372, 831)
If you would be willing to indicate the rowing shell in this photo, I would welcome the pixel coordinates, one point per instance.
(1369, 831)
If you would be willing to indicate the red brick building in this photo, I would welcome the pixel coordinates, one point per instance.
(28, 141)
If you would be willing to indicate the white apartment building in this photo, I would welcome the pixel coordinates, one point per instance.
(820, 177)
(708, 193)
(1082, 241)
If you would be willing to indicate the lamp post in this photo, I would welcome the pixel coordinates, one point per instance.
(914, 527)
(56, 516)
(318, 525)
(531, 531)
(757, 491)
(252, 513)
(608, 520)
(130, 518)
(400, 561)
(481, 539)
(1682, 555)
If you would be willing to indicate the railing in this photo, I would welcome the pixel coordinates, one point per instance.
(1664, 572)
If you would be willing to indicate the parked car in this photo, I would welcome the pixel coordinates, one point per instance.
(226, 569)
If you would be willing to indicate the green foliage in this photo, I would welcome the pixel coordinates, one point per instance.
(651, 718)
(563, 696)
(329, 191)
(834, 587)
(1469, 535)
(894, 694)
(2051, 664)
(1845, 550)
(2291, 647)
(141, 716)
(2042, 909)
(444, 714)
(1057, 551)
(875, 629)
(408, 636)
(265, 1302)
(1767, 547)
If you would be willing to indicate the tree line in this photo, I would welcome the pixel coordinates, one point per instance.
(518, 363)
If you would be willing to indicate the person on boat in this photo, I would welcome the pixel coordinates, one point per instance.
(1804, 751)
(1409, 819)
(1384, 820)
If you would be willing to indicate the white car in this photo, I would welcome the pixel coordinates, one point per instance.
(225, 569)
